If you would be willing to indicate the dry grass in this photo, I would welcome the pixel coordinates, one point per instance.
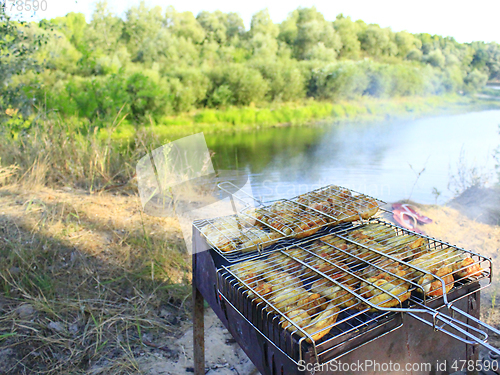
(7, 173)
(83, 279)
(455, 227)
(59, 153)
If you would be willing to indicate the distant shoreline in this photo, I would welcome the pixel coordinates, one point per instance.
(235, 119)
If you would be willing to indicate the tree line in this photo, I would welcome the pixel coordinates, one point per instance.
(156, 62)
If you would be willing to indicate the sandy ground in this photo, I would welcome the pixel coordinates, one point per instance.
(223, 356)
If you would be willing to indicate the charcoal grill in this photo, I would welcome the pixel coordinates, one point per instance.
(258, 288)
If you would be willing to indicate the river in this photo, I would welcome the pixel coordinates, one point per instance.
(392, 160)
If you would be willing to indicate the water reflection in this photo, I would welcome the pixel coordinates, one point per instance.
(382, 159)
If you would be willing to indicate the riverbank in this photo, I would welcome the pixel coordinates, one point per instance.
(305, 113)
(72, 152)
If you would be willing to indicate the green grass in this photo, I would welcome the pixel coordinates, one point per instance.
(296, 114)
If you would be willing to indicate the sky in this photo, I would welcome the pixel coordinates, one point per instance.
(465, 21)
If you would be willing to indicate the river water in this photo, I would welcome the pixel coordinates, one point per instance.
(392, 160)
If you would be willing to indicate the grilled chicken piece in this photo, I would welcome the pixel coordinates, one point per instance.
(433, 263)
(308, 225)
(316, 326)
(337, 295)
(255, 282)
(312, 304)
(299, 318)
(353, 254)
(237, 232)
(445, 263)
(257, 266)
(385, 269)
(361, 206)
(400, 246)
(339, 204)
(369, 206)
(285, 260)
(287, 296)
(467, 268)
(397, 292)
(333, 269)
(222, 238)
(254, 237)
(280, 279)
(434, 287)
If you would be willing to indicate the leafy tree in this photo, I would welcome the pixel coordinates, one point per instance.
(340, 80)
(189, 88)
(143, 26)
(184, 25)
(285, 79)
(73, 26)
(348, 32)
(414, 55)
(104, 31)
(436, 58)
(154, 62)
(377, 41)
(262, 24)
(493, 62)
(17, 55)
(306, 28)
(475, 80)
(245, 84)
(235, 28)
(429, 42)
(406, 42)
(321, 52)
(221, 27)
(288, 28)
(263, 46)
(452, 79)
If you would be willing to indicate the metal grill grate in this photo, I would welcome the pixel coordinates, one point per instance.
(254, 230)
(341, 291)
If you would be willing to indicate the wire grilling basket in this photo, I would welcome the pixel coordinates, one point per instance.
(263, 228)
(341, 290)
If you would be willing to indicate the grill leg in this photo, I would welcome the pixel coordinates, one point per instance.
(198, 329)
(474, 310)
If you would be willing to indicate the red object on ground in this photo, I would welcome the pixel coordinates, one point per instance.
(406, 220)
(409, 210)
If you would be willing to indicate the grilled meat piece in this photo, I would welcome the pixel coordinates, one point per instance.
(336, 294)
(314, 326)
(373, 290)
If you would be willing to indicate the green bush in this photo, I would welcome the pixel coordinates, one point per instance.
(474, 81)
(380, 80)
(340, 80)
(245, 84)
(189, 88)
(148, 99)
(285, 79)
